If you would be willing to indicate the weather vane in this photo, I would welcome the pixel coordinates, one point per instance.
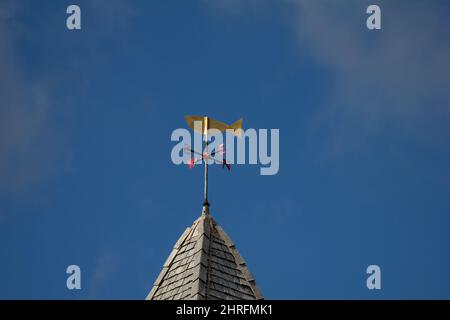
(202, 124)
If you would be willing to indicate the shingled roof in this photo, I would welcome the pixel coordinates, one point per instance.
(204, 265)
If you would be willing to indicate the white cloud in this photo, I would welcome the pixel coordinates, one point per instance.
(398, 77)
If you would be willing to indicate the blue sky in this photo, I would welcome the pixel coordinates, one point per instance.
(364, 117)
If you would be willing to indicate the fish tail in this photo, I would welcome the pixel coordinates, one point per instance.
(235, 126)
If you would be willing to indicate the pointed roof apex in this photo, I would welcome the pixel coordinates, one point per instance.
(205, 210)
(205, 265)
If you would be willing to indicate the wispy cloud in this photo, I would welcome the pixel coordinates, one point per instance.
(28, 148)
(397, 77)
(104, 268)
(33, 146)
(396, 80)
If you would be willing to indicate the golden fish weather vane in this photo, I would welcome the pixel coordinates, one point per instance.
(202, 124)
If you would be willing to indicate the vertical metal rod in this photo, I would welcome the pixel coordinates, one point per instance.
(206, 126)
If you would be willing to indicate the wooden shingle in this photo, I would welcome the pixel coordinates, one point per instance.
(205, 264)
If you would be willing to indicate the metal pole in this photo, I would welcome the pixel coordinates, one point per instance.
(206, 125)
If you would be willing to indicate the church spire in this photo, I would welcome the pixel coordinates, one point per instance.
(205, 265)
